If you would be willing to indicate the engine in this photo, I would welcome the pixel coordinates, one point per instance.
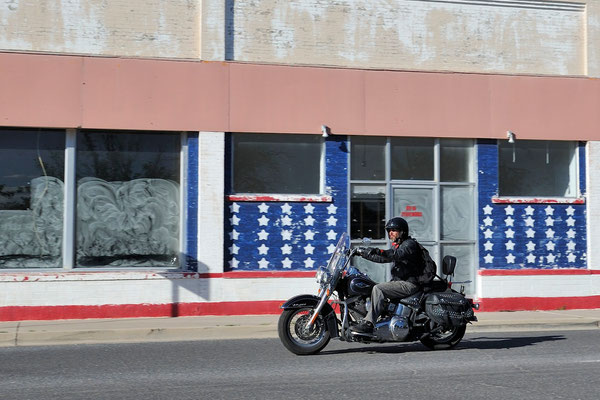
(396, 327)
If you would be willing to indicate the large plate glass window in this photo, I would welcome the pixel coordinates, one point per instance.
(276, 163)
(368, 158)
(127, 199)
(412, 159)
(537, 168)
(31, 197)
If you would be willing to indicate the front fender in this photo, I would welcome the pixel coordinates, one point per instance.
(309, 300)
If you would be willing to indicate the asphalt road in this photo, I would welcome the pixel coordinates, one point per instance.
(522, 365)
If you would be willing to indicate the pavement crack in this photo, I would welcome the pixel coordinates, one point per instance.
(17, 334)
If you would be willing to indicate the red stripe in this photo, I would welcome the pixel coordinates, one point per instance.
(506, 200)
(268, 274)
(538, 303)
(511, 272)
(298, 198)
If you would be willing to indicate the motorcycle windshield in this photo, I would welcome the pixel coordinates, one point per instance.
(338, 259)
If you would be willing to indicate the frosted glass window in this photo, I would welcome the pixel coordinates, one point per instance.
(457, 213)
(31, 197)
(127, 199)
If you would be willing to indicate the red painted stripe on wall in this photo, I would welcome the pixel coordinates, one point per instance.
(538, 303)
(25, 313)
(510, 272)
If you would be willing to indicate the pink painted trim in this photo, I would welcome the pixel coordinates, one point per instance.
(523, 272)
(279, 197)
(544, 200)
(538, 303)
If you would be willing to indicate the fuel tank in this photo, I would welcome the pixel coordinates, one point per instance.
(360, 285)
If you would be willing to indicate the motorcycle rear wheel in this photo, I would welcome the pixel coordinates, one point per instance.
(446, 339)
(294, 335)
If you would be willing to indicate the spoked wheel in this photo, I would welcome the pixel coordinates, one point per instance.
(445, 339)
(297, 337)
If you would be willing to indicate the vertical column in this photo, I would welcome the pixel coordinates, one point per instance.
(69, 205)
(593, 203)
(211, 189)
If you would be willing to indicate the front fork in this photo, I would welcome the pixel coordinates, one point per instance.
(324, 297)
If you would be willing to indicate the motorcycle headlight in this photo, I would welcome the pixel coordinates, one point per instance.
(323, 276)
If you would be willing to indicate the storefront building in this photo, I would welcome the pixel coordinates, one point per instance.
(206, 158)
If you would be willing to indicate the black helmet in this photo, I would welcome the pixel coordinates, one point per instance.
(397, 224)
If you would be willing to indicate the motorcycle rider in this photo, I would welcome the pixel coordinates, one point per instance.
(408, 265)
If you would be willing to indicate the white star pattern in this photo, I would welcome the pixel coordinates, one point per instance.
(530, 233)
(488, 246)
(286, 249)
(549, 210)
(263, 263)
(309, 221)
(263, 221)
(331, 221)
(509, 221)
(234, 208)
(510, 234)
(263, 249)
(571, 245)
(309, 263)
(488, 233)
(487, 210)
(308, 209)
(488, 221)
(286, 235)
(551, 258)
(234, 220)
(331, 209)
(529, 221)
(308, 249)
(287, 263)
(331, 235)
(233, 263)
(550, 246)
(234, 235)
(530, 258)
(510, 245)
(330, 249)
(510, 258)
(286, 221)
(570, 211)
(263, 208)
(233, 249)
(529, 210)
(550, 233)
(263, 235)
(488, 258)
(571, 234)
(571, 258)
(570, 221)
(530, 246)
(286, 209)
(309, 235)
(549, 221)
(509, 210)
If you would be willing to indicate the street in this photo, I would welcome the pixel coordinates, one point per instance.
(523, 365)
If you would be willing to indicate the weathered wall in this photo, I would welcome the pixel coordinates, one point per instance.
(149, 28)
(473, 35)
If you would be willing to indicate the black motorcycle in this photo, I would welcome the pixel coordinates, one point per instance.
(436, 316)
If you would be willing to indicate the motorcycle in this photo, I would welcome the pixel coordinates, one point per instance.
(436, 316)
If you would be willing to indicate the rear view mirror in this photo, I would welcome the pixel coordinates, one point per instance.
(448, 265)
(366, 241)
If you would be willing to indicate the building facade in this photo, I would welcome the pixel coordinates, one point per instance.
(171, 158)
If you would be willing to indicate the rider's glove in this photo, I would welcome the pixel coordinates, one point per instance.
(366, 251)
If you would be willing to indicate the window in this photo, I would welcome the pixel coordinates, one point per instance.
(412, 158)
(31, 197)
(276, 163)
(126, 205)
(127, 199)
(368, 158)
(531, 168)
(367, 208)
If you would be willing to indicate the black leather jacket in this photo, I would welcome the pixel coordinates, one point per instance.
(406, 258)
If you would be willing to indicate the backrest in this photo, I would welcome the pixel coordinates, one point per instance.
(448, 265)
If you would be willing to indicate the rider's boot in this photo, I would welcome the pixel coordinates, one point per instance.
(363, 326)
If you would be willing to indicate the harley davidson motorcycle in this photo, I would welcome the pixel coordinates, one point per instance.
(437, 316)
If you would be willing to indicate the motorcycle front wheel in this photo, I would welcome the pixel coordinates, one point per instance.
(445, 339)
(295, 335)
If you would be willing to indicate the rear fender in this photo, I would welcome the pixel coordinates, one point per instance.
(311, 301)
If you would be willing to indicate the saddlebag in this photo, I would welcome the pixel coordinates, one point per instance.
(449, 309)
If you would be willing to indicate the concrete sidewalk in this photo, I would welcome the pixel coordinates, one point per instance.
(31, 333)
